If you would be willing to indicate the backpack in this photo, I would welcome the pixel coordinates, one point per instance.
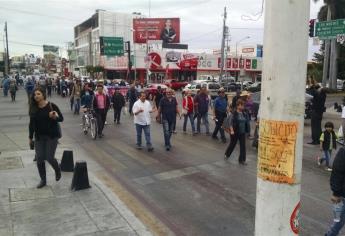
(13, 87)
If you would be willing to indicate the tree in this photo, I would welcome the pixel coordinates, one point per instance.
(337, 9)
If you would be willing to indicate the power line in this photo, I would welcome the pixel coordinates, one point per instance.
(38, 14)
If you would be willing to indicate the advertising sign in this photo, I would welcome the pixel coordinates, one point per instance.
(50, 53)
(166, 29)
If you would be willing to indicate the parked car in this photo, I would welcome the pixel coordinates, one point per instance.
(231, 87)
(175, 85)
(207, 78)
(151, 89)
(212, 88)
(255, 87)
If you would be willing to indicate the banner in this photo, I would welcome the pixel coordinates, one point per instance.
(166, 29)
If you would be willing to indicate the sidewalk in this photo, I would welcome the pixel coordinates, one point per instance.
(55, 209)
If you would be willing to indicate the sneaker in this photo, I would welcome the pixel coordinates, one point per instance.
(226, 157)
(150, 149)
(105, 122)
(167, 148)
(174, 132)
(318, 161)
(328, 169)
(139, 147)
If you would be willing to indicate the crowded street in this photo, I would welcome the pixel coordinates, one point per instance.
(190, 190)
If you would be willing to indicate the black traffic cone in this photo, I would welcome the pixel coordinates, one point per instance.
(80, 176)
(67, 163)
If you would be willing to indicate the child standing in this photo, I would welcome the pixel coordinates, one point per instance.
(327, 144)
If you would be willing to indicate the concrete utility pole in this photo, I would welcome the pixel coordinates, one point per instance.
(282, 117)
(7, 69)
(326, 54)
(222, 47)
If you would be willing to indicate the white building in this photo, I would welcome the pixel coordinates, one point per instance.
(102, 23)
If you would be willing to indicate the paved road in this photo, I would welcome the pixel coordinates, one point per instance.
(190, 189)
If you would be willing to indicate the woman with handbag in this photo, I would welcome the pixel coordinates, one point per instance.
(44, 126)
(188, 111)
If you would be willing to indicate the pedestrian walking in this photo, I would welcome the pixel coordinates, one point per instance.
(318, 108)
(44, 126)
(13, 89)
(188, 111)
(328, 143)
(49, 86)
(219, 114)
(201, 103)
(167, 111)
(29, 88)
(132, 97)
(142, 120)
(337, 183)
(5, 85)
(86, 96)
(158, 96)
(118, 101)
(237, 125)
(101, 106)
(75, 94)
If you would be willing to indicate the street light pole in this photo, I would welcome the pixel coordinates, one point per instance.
(247, 37)
(279, 167)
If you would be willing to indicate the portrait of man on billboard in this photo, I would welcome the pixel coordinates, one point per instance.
(168, 34)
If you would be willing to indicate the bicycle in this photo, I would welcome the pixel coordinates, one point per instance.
(89, 122)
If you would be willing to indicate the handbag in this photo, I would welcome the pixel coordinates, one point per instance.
(59, 135)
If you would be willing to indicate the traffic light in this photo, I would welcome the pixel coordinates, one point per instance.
(311, 28)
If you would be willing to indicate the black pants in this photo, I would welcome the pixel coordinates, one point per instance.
(13, 95)
(130, 107)
(117, 114)
(316, 130)
(45, 150)
(101, 114)
(234, 138)
(220, 116)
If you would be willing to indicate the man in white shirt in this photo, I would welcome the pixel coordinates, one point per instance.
(142, 120)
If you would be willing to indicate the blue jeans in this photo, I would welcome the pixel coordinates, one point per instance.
(326, 157)
(336, 226)
(190, 116)
(204, 118)
(146, 129)
(167, 130)
(76, 105)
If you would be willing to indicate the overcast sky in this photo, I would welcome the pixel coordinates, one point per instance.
(38, 22)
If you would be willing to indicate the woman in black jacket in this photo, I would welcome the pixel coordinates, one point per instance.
(44, 118)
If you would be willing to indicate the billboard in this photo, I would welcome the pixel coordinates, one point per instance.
(166, 29)
(50, 53)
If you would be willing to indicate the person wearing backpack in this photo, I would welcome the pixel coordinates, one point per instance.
(13, 89)
(238, 126)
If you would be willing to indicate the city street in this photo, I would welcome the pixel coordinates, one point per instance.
(190, 190)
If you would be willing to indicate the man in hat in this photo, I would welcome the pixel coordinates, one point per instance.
(219, 114)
